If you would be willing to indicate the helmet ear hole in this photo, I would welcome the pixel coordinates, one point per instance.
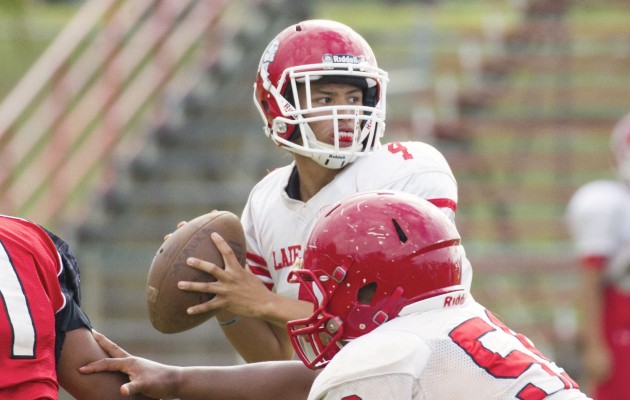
(366, 293)
(265, 105)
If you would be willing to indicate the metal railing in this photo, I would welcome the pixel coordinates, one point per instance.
(107, 72)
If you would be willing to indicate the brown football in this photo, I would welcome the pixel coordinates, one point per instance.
(166, 302)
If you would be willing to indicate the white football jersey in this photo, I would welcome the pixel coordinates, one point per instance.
(598, 216)
(276, 226)
(435, 352)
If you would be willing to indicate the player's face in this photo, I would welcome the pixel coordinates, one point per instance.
(332, 94)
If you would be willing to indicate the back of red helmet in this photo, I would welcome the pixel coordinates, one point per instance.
(366, 259)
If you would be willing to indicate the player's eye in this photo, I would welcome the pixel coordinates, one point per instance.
(322, 100)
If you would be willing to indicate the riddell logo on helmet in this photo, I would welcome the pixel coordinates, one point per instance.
(450, 301)
(342, 59)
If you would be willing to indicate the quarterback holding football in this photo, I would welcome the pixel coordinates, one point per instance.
(322, 97)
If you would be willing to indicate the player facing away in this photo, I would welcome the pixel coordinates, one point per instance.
(598, 217)
(391, 320)
(322, 97)
(44, 335)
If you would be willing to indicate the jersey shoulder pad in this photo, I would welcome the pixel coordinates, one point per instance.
(397, 161)
(409, 157)
(382, 352)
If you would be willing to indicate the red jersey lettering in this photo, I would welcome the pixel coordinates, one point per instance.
(287, 257)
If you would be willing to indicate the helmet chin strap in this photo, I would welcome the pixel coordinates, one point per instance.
(390, 308)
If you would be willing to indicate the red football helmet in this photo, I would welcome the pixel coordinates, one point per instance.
(324, 51)
(620, 144)
(367, 258)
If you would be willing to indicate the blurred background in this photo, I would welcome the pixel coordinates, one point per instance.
(120, 118)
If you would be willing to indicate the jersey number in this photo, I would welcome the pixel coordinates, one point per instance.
(468, 335)
(16, 307)
(396, 147)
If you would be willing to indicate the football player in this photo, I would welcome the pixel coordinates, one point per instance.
(44, 335)
(322, 97)
(391, 320)
(598, 217)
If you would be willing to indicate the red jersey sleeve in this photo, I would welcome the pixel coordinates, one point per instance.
(30, 297)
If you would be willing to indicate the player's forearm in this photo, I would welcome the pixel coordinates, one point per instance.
(264, 337)
(289, 380)
(257, 340)
(79, 349)
(592, 307)
(278, 310)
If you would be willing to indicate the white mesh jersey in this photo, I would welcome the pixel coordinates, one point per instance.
(458, 352)
(598, 216)
(276, 226)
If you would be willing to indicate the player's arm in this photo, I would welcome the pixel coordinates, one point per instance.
(271, 341)
(239, 291)
(75, 346)
(289, 380)
(597, 356)
(252, 317)
(79, 349)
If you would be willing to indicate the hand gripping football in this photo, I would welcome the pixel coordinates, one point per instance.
(166, 302)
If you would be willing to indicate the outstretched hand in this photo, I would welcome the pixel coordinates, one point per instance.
(147, 377)
(236, 289)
